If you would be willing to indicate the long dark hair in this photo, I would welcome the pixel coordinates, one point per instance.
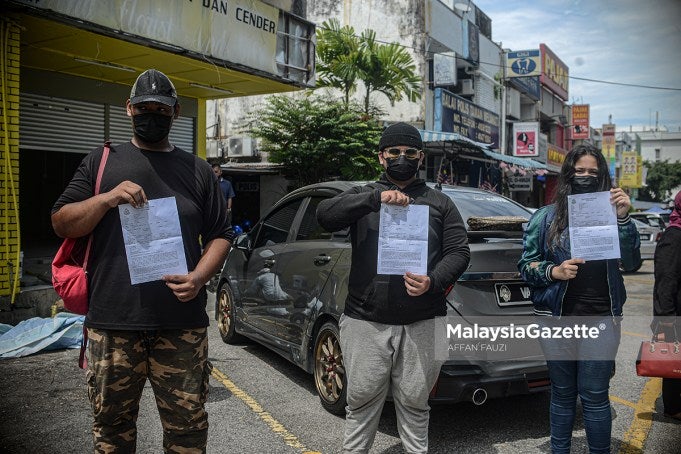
(567, 172)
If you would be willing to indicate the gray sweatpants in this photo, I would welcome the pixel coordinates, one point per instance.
(376, 358)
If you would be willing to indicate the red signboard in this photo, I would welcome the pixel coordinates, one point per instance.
(526, 136)
(580, 121)
(554, 73)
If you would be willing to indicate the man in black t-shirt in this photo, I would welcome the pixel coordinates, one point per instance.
(154, 330)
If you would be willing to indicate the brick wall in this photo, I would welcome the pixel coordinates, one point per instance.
(9, 158)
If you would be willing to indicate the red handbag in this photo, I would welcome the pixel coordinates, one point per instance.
(69, 267)
(657, 358)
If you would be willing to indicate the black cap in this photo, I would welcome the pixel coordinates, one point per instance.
(400, 134)
(153, 86)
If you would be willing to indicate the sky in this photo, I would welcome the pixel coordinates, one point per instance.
(626, 41)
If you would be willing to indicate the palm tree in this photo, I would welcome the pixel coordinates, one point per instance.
(387, 68)
(338, 52)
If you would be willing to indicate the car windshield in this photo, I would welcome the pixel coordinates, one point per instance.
(484, 204)
(639, 224)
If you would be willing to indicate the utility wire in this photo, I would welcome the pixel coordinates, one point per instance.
(623, 84)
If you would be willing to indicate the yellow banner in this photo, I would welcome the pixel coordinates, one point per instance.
(629, 170)
(608, 146)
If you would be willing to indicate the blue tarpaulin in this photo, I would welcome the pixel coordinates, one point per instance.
(65, 330)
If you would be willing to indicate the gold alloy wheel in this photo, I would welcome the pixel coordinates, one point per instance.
(329, 372)
(225, 314)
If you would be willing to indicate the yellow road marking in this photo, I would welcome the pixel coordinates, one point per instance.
(276, 427)
(634, 439)
(619, 400)
(644, 336)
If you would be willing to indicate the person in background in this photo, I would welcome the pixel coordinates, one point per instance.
(563, 285)
(667, 300)
(155, 330)
(387, 331)
(227, 190)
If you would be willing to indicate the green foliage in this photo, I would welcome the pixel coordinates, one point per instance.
(338, 52)
(661, 179)
(318, 138)
(388, 69)
(344, 59)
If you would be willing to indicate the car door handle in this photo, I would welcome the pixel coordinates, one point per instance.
(322, 259)
(269, 263)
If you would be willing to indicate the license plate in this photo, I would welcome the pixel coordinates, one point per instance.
(512, 294)
(644, 237)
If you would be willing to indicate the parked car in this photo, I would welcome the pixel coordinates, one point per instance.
(653, 219)
(284, 285)
(649, 236)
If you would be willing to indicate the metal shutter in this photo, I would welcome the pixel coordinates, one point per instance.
(59, 124)
(120, 125)
(182, 134)
(47, 123)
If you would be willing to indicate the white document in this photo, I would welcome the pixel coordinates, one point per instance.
(593, 226)
(153, 240)
(403, 239)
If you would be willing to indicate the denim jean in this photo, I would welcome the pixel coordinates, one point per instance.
(590, 379)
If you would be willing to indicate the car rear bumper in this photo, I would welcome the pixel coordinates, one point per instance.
(459, 383)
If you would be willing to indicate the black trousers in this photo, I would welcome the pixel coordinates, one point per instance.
(671, 395)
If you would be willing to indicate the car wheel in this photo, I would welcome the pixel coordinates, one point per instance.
(225, 314)
(329, 371)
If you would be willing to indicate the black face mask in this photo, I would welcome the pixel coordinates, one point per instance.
(584, 184)
(151, 127)
(402, 169)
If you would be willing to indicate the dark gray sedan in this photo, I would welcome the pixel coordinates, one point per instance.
(284, 285)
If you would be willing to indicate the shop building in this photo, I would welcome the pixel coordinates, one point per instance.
(67, 68)
(461, 100)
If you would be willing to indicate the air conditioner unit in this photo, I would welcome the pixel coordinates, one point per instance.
(467, 87)
(240, 146)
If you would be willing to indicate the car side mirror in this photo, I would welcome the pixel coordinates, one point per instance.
(243, 242)
(341, 235)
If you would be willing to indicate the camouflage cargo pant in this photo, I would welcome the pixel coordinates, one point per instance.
(176, 364)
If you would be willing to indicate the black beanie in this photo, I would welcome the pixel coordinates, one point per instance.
(400, 134)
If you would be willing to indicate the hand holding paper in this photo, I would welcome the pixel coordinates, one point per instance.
(593, 226)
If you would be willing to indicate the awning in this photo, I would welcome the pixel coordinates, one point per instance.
(252, 168)
(452, 137)
(439, 139)
(516, 161)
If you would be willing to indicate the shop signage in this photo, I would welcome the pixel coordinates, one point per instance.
(554, 73)
(525, 138)
(629, 170)
(444, 70)
(523, 63)
(519, 183)
(528, 85)
(247, 186)
(608, 147)
(237, 31)
(580, 121)
(555, 155)
(456, 114)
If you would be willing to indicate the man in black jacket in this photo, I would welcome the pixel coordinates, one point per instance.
(387, 331)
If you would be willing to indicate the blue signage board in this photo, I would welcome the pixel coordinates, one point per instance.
(528, 85)
(456, 114)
